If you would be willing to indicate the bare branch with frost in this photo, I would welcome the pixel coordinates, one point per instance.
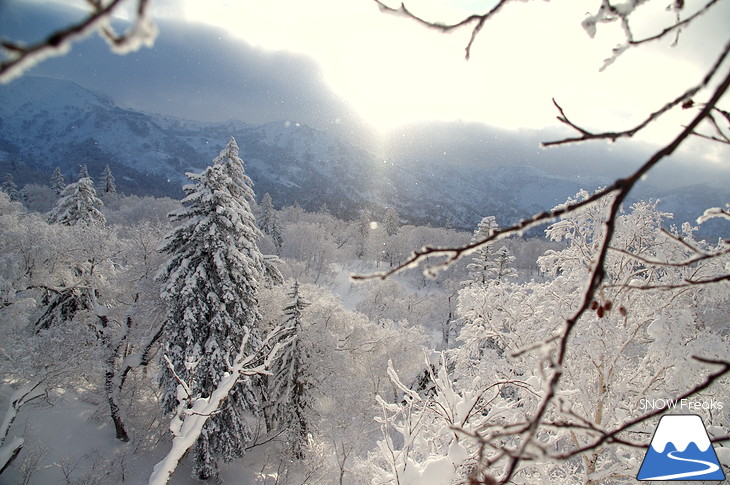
(682, 99)
(612, 436)
(477, 20)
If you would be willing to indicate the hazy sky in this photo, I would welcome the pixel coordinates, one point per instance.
(344, 61)
(393, 71)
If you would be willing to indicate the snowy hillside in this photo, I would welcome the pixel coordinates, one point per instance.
(45, 123)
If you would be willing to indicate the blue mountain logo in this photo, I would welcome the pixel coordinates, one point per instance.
(680, 450)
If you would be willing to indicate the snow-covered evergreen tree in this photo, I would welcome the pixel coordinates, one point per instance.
(364, 225)
(289, 384)
(78, 205)
(266, 210)
(210, 283)
(23, 195)
(501, 265)
(84, 172)
(269, 222)
(57, 182)
(479, 268)
(10, 188)
(108, 185)
(391, 221)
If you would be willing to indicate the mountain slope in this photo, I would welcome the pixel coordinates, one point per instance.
(46, 123)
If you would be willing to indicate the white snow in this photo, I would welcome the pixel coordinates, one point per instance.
(436, 471)
(457, 453)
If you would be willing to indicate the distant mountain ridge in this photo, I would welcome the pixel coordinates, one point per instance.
(45, 123)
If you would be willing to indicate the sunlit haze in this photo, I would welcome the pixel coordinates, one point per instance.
(348, 67)
(393, 71)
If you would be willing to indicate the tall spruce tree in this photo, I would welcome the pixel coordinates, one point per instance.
(78, 205)
(83, 172)
(57, 182)
(210, 283)
(108, 183)
(269, 223)
(289, 384)
(10, 188)
(391, 221)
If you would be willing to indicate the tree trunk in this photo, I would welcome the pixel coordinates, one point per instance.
(114, 378)
(112, 393)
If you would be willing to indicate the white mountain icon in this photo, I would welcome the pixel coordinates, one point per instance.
(681, 430)
(680, 450)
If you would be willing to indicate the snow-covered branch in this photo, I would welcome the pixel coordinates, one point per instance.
(715, 213)
(9, 450)
(607, 13)
(17, 57)
(27, 393)
(193, 412)
(613, 435)
(677, 26)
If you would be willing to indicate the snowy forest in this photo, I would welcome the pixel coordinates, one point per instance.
(221, 338)
(227, 337)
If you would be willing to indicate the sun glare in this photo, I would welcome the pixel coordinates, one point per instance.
(394, 72)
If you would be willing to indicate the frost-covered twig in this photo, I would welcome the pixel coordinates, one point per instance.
(720, 136)
(607, 12)
(685, 97)
(182, 385)
(715, 213)
(478, 20)
(675, 286)
(612, 436)
(677, 26)
(699, 256)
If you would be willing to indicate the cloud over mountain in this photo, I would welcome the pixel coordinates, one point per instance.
(193, 71)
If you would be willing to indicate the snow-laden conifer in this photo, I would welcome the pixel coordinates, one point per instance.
(84, 172)
(269, 222)
(10, 188)
(289, 384)
(391, 221)
(480, 267)
(210, 283)
(500, 265)
(57, 182)
(78, 206)
(108, 184)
